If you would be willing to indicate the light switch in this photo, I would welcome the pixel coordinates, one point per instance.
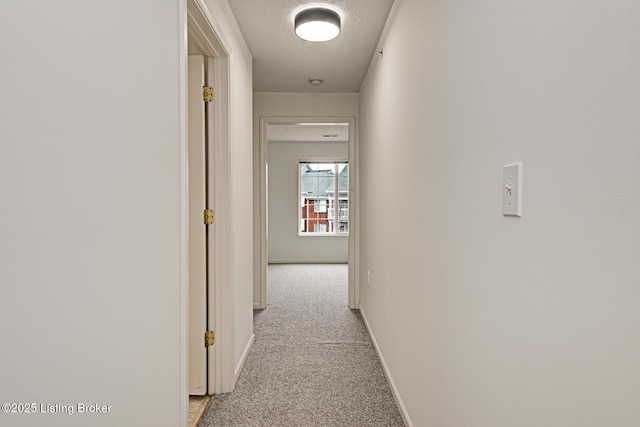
(512, 189)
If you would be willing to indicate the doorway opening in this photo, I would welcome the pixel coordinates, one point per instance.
(206, 57)
(308, 208)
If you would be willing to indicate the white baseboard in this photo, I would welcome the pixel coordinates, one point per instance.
(243, 359)
(392, 384)
(256, 306)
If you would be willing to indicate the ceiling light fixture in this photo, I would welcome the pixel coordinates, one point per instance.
(315, 81)
(317, 24)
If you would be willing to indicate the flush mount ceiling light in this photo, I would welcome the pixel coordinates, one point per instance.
(317, 24)
(315, 81)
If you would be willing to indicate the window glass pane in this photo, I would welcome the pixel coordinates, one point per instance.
(320, 228)
(343, 197)
(319, 205)
(324, 197)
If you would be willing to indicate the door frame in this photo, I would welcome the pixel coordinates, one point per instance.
(197, 117)
(200, 27)
(354, 296)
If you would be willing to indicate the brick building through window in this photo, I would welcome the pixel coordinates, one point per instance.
(320, 211)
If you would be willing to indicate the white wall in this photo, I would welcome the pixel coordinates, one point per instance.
(285, 245)
(271, 104)
(90, 211)
(90, 146)
(485, 320)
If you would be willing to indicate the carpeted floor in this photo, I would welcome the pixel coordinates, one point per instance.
(312, 363)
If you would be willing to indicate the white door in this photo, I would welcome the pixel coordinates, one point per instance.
(198, 283)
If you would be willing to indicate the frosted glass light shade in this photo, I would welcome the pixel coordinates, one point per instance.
(317, 24)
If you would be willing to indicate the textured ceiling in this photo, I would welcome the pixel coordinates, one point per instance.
(282, 62)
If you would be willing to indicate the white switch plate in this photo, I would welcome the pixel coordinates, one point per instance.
(512, 189)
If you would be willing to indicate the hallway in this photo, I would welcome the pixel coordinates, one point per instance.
(312, 363)
(480, 314)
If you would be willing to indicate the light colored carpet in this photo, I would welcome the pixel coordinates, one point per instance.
(312, 363)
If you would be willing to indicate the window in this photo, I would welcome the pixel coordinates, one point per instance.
(324, 198)
(319, 228)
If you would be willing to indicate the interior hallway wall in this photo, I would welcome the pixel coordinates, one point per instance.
(90, 211)
(486, 320)
(285, 243)
(89, 148)
(271, 104)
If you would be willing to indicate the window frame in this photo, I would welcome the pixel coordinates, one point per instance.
(335, 222)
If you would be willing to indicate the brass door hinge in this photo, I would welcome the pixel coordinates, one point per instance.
(209, 216)
(207, 93)
(209, 338)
